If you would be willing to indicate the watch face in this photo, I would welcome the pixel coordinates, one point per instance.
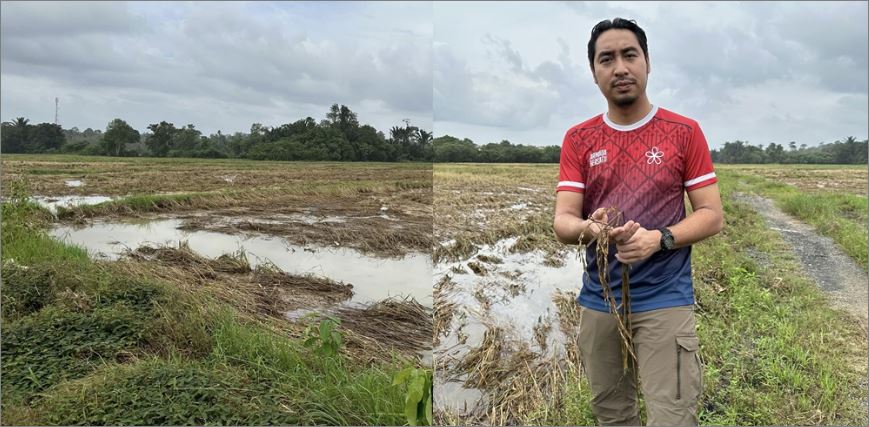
(666, 239)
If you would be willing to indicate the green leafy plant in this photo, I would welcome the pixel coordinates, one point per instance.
(418, 400)
(325, 338)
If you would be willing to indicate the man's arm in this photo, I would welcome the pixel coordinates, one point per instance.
(706, 220)
(568, 222)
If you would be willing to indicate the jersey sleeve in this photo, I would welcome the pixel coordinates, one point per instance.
(699, 171)
(571, 176)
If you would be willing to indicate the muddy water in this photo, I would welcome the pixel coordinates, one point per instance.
(52, 203)
(514, 294)
(373, 279)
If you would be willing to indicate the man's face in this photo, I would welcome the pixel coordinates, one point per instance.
(620, 69)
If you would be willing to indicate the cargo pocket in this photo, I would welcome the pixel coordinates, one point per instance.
(688, 373)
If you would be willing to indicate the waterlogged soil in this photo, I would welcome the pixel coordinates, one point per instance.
(373, 278)
(381, 229)
(505, 317)
(384, 303)
(152, 176)
(841, 279)
(378, 208)
(497, 290)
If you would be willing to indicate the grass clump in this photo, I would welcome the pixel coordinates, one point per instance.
(57, 344)
(330, 390)
(165, 392)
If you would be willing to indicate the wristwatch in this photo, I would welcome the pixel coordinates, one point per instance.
(667, 240)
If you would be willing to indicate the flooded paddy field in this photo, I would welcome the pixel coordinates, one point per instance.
(290, 241)
(505, 322)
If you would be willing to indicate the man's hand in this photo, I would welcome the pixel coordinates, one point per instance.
(598, 220)
(637, 245)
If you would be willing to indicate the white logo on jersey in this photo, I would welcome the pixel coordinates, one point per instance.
(654, 156)
(597, 158)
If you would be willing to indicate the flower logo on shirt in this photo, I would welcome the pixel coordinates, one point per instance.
(654, 156)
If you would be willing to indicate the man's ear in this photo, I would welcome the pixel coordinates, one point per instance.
(648, 67)
(594, 77)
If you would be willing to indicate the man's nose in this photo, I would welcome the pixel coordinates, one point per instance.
(621, 68)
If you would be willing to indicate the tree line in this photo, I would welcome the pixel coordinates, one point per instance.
(451, 149)
(338, 137)
(847, 151)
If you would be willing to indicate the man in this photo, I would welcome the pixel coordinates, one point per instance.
(640, 159)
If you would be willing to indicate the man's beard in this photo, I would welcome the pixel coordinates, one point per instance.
(625, 101)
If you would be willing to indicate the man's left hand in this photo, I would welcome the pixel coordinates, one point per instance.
(640, 246)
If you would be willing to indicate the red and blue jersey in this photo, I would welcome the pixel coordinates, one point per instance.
(644, 170)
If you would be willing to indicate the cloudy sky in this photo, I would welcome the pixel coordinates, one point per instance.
(216, 65)
(761, 72)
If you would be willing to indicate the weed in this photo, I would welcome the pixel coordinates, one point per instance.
(325, 339)
(418, 400)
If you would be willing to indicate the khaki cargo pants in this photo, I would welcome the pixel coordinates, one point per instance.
(670, 371)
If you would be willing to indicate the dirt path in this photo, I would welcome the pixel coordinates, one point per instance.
(836, 274)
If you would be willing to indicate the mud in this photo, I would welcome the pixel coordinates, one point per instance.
(361, 228)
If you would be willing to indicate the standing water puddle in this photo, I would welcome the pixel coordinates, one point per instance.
(513, 291)
(53, 202)
(373, 279)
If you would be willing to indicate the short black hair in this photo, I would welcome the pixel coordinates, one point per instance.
(618, 24)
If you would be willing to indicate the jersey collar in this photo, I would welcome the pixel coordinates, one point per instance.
(632, 126)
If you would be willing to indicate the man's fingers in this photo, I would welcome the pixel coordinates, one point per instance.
(625, 233)
(599, 215)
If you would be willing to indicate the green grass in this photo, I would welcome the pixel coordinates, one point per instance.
(83, 343)
(840, 216)
(775, 352)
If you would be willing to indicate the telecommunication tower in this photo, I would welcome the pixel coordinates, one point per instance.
(56, 101)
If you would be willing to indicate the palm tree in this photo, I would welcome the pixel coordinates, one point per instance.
(21, 123)
(423, 137)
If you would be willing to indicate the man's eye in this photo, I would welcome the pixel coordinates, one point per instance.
(604, 60)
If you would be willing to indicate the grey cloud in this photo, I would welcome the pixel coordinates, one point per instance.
(508, 93)
(220, 54)
(52, 19)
